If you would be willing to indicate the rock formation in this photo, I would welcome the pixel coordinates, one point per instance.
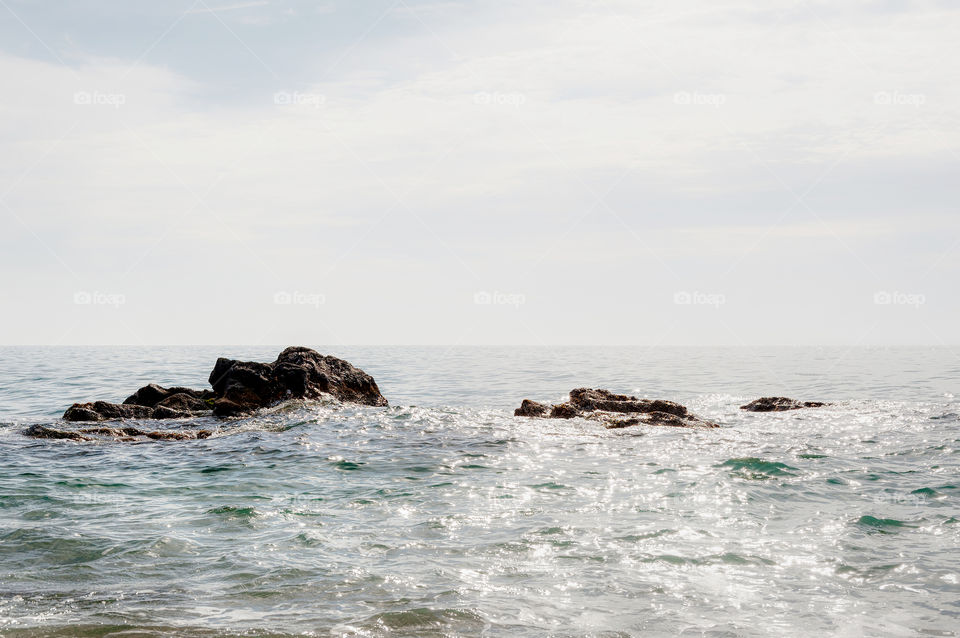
(615, 410)
(242, 387)
(779, 404)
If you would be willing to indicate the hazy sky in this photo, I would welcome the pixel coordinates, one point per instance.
(537, 172)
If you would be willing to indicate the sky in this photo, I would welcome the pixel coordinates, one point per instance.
(543, 172)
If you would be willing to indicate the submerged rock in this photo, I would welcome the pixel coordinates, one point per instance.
(43, 432)
(779, 404)
(242, 387)
(118, 433)
(610, 409)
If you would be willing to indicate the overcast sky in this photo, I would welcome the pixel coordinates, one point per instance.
(535, 172)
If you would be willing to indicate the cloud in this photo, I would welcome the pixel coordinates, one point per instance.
(572, 140)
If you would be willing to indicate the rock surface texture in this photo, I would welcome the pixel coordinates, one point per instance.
(615, 410)
(779, 404)
(239, 387)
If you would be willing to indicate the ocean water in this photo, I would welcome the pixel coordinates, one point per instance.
(443, 515)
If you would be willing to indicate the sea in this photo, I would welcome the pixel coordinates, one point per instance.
(445, 515)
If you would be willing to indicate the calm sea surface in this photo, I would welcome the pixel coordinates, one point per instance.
(443, 515)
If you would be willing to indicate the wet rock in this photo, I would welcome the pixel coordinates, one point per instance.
(564, 411)
(298, 373)
(178, 398)
(531, 408)
(242, 387)
(104, 411)
(586, 399)
(115, 433)
(610, 409)
(184, 402)
(656, 418)
(779, 404)
(43, 432)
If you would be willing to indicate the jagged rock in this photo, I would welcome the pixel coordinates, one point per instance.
(531, 408)
(609, 408)
(779, 404)
(241, 387)
(298, 373)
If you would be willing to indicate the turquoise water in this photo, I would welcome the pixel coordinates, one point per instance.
(443, 515)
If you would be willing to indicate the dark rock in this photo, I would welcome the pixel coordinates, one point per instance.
(298, 373)
(153, 395)
(148, 395)
(588, 400)
(659, 418)
(779, 404)
(609, 408)
(43, 432)
(241, 387)
(163, 412)
(184, 402)
(117, 433)
(563, 411)
(531, 408)
(104, 411)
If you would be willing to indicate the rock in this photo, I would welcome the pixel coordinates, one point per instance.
(657, 418)
(118, 433)
(183, 402)
(563, 411)
(104, 411)
(298, 373)
(531, 408)
(153, 395)
(43, 432)
(609, 408)
(587, 400)
(779, 404)
(148, 395)
(163, 412)
(241, 387)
